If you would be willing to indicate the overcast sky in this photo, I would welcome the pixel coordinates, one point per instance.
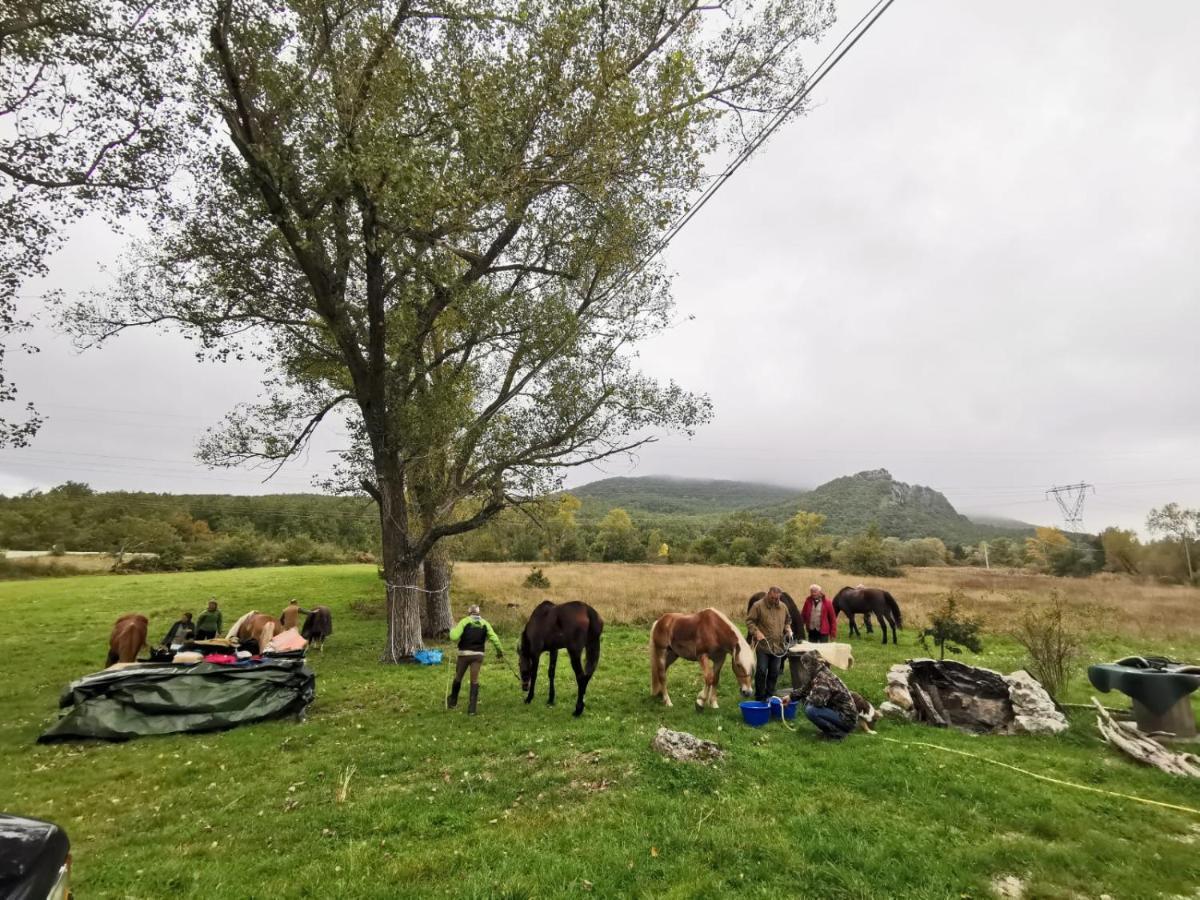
(973, 263)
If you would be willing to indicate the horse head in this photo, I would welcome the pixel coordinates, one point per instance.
(743, 665)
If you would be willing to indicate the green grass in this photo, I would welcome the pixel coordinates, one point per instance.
(525, 801)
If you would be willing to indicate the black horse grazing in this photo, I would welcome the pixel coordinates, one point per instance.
(574, 627)
(869, 600)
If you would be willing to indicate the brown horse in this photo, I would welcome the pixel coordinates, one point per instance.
(706, 637)
(256, 626)
(127, 638)
(869, 600)
(572, 626)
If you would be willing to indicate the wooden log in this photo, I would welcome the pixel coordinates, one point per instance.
(1143, 748)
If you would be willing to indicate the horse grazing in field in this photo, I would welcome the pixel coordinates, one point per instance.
(868, 600)
(572, 626)
(317, 627)
(127, 638)
(706, 637)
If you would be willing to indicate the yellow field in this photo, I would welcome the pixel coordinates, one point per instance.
(638, 594)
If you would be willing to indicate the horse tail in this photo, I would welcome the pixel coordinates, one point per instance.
(894, 607)
(592, 649)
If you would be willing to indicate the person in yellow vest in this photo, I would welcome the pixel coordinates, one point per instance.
(471, 634)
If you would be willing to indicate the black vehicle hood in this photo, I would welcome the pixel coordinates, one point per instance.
(31, 853)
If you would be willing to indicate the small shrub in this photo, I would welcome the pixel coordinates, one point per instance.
(1051, 638)
(949, 629)
(536, 579)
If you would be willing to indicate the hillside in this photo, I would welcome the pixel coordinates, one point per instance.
(850, 504)
(680, 496)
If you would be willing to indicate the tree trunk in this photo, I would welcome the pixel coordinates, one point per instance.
(1187, 554)
(403, 574)
(437, 618)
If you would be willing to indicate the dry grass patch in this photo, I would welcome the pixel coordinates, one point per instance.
(638, 594)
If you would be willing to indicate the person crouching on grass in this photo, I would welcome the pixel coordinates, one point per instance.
(827, 701)
(771, 630)
(472, 634)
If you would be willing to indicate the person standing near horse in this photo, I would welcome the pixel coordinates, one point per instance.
(771, 631)
(181, 631)
(472, 634)
(820, 621)
(828, 703)
(208, 626)
(290, 616)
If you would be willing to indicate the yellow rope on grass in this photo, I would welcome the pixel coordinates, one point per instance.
(1082, 787)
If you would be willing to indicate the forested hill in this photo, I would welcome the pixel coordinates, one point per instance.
(679, 496)
(850, 504)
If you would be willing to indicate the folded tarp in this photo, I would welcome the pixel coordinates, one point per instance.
(116, 705)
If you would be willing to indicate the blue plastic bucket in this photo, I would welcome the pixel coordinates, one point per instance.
(780, 709)
(755, 713)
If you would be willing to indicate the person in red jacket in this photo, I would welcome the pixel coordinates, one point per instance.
(820, 621)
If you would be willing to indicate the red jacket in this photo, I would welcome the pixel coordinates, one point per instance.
(828, 625)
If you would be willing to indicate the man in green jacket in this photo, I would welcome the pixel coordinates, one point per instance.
(208, 626)
(471, 634)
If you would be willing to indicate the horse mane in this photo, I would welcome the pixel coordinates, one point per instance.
(744, 653)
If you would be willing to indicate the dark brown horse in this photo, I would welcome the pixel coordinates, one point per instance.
(706, 637)
(572, 626)
(869, 600)
(127, 638)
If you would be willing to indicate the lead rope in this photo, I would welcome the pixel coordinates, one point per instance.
(1071, 784)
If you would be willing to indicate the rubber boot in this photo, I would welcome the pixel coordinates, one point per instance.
(452, 700)
(474, 700)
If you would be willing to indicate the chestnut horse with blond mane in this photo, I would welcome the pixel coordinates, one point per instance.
(706, 637)
(127, 639)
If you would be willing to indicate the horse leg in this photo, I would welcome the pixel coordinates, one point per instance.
(537, 657)
(581, 677)
(550, 674)
(884, 617)
(867, 622)
(707, 671)
(854, 632)
(717, 663)
(669, 657)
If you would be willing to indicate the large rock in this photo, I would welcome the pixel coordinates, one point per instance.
(685, 747)
(951, 694)
(1033, 710)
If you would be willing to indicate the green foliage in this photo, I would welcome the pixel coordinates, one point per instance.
(536, 579)
(865, 554)
(1051, 636)
(617, 540)
(1122, 550)
(949, 629)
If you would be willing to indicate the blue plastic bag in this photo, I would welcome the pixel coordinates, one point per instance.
(428, 657)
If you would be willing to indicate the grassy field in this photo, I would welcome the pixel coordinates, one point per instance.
(525, 801)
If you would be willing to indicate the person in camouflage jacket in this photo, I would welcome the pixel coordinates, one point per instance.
(827, 701)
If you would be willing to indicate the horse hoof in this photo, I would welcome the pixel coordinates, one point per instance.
(578, 712)
(528, 699)
(549, 702)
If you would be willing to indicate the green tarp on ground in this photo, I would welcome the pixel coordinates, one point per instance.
(120, 704)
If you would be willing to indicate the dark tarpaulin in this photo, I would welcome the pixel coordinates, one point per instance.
(163, 699)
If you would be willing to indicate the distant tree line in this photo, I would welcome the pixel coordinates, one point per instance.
(181, 531)
(224, 531)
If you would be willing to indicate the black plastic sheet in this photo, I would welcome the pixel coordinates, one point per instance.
(119, 704)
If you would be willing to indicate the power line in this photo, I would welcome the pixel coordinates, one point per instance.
(792, 105)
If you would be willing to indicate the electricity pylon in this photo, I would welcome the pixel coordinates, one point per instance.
(1070, 499)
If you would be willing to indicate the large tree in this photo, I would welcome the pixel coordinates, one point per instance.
(89, 113)
(433, 220)
(1179, 523)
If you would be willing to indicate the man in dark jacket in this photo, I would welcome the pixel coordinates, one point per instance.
(770, 632)
(472, 634)
(181, 631)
